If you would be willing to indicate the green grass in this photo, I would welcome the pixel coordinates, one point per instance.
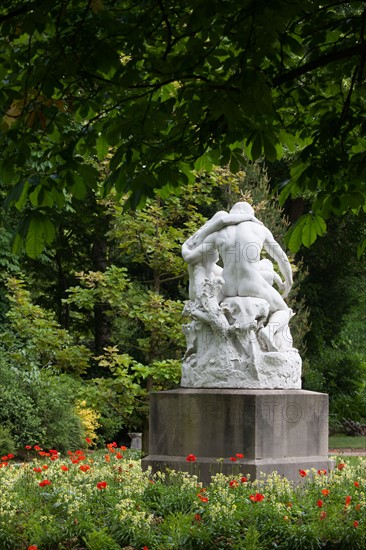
(341, 441)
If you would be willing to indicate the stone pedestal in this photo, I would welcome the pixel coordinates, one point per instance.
(282, 430)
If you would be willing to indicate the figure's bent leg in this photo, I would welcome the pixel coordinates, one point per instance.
(277, 321)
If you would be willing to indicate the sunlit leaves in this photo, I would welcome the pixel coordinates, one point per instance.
(305, 231)
(44, 341)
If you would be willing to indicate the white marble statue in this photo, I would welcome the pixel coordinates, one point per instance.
(239, 335)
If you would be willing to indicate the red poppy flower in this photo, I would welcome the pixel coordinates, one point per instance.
(4, 457)
(303, 473)
(202, 498)
(348, 500)
(239, 455)
(54, 457)
(84, 467)
(319, 503)
(191, 458)
(145, 548)
(233, 483)
(75, 461)
(101, 485)
(64, 468)
(355, 524)
(37, 448)
(322, 472)
(356, 484)
(233, 459)
(323, 515)
(10, 455)
(28, 447)
(107, 458)
(358, 506)
(44, 483)
(78, 452)
(119, 455)
(32, 547)
(123, 448)
(258, 497)
(325, 492)
(341, 465)
(38, 470)
(244, 479)
(88, 440)
(44, 467)
(197, 517)
(53, 452)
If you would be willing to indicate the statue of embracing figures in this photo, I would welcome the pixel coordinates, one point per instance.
(239, 335)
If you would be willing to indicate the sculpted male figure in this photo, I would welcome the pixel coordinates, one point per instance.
(238, 237)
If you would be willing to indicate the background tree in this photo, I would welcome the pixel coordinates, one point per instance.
(161, 88)
(335, 290)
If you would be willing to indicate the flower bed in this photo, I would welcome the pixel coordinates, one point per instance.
(104, 501)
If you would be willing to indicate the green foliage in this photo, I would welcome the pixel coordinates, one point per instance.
(126, 384)
(305, 231)
(37, 338)
(9, 266)
(100, 540)
(7, 443)
(153, 92)
(36, 406)
(336, 295)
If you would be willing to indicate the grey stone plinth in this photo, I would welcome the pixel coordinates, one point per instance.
(282, 430)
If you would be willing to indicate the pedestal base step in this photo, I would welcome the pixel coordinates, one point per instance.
(206, 467)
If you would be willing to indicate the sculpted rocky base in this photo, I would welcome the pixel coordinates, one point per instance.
(270, 371)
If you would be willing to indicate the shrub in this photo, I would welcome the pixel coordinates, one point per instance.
(7, 443)
(89, 418)
(36, 405)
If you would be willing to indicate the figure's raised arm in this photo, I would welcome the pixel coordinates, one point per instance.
(191, 255)
(220, 220)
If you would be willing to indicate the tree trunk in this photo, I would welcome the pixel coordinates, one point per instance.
(63, 312)
(102, 332)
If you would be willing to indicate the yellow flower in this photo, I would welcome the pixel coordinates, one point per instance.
(89, 418)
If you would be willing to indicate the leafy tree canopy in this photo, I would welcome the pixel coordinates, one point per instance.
(154, 90)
